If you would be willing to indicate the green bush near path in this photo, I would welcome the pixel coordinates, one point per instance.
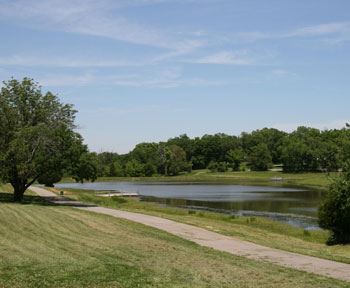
(334, 212)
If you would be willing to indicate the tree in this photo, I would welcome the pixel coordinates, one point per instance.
(185, 143)
(334, 212)
(84, 168)
(212, 148)
(295, 156)
(37, 137)
(134, 168)
(328, 156)
(260, 158)
(50, 178)
(174, 160)
(271, 137)
(234, 158)
(149, 169)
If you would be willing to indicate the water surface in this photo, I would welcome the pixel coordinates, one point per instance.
(294, 206)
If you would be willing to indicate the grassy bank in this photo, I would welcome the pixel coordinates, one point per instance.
(49, 246)
(309, 180)
(255, 229)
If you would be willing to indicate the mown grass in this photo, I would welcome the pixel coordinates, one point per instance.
(54, 246)
(255, 229)
(307, 180)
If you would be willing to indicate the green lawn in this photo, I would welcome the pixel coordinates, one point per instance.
(51, 246)
(255, 229)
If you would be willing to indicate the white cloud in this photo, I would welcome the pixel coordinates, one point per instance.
(283, 73)
(332, 32)
(92, 18)
(226, 58)
(321, 29)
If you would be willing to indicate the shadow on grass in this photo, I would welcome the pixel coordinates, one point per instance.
(6, 197)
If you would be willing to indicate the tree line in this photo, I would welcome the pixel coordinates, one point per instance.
(39, 142)
(303, 150)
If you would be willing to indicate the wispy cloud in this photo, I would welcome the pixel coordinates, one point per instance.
(321, 29)
(93, 18)
(160, 79)
(339, 30)
(226, 58)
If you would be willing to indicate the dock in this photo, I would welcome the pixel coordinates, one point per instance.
(118, 194)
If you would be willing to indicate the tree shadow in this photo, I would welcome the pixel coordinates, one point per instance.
(7, 197)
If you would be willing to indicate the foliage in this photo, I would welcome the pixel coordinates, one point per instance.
(260, 158)
(304, 150)
(37, 137)
(296, 157)
(175, 160)
(334, 213)
(271, 137)
(50, 178)
(235, 157)
(134, 168)
(218, 166)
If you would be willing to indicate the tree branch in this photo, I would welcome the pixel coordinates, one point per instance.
(31, 182)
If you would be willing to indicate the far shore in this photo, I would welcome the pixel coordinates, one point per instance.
(314, 180)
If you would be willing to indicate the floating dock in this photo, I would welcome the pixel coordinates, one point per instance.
(117, 194)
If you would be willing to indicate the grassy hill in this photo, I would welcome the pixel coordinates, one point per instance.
(49, 246)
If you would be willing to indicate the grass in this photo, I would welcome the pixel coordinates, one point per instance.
(307, 180)
(255, 229)
(53, 246)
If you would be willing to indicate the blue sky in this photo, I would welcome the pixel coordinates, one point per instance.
(148, 70)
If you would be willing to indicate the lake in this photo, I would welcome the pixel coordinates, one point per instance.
(293, 206)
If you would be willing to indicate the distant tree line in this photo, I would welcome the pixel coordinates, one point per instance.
(304, 150)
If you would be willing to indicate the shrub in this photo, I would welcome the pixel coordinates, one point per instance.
(218, 166)
(334, 212)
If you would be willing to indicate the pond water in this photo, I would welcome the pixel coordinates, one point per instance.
(293, 206)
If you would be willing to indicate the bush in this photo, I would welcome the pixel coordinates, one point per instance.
(218, 166)
(213, 166)
(334, 212)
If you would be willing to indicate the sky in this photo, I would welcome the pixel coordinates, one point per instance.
(148, 70)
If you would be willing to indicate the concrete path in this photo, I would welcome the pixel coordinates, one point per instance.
(217, 241)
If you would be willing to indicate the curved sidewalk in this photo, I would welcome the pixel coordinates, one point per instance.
(217, 241)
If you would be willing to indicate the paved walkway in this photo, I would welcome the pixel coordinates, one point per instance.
(218, 241)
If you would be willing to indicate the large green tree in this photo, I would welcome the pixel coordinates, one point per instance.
(334, 212)
(260, 158)
(37, 138)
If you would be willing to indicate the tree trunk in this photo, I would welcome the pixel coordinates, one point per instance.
(18, 192)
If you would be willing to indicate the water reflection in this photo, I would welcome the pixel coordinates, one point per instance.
(293, 206)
